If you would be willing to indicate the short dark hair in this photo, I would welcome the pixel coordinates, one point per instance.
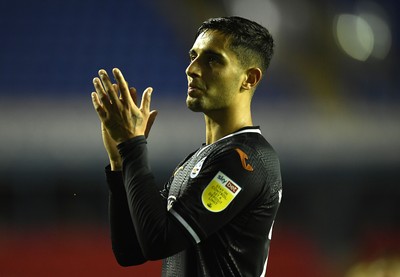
(248, 39)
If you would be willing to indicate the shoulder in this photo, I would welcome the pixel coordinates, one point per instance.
(249, 145)
(252, 154)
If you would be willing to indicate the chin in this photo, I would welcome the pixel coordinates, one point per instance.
(194, 108)
(194, 104)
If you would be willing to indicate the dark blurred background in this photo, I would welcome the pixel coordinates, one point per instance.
(329, 105)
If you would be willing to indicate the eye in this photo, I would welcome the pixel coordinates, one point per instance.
(192, 56)
(212, 59)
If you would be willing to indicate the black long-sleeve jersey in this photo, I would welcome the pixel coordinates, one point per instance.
(213, 218)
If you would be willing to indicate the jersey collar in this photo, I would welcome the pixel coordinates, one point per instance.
(249, 129)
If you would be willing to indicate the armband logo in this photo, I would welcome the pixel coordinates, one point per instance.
(196, 169)
(219, 193)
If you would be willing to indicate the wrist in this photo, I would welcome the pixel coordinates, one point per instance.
(127, 138)
(116, 165)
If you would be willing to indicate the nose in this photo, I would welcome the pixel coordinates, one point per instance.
(193, 69)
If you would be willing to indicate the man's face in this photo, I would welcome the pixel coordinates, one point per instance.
(214, 74)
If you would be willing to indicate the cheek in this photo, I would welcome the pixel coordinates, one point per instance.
(223, 83)
(231, 82)
(226, 79)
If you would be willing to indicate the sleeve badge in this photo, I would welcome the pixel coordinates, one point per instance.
(219, 193)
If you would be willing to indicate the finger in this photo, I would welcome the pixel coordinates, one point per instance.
(123, 86)
(103, 127)
(97, 106)
(150, 121)
(109, 89)
(133, 93)
(146, 99)
(116, 89)
(101, 94)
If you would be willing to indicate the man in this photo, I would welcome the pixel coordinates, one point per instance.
(215, 215)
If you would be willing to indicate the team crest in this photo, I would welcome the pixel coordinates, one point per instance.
(219, 193)
(196, 169)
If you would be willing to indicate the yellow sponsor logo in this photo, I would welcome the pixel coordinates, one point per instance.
(219, 193)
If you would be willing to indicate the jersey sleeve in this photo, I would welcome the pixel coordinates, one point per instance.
(227, 184)
(125, 245)
(158, 233)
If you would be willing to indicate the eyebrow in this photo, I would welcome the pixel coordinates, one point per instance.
(207, 52)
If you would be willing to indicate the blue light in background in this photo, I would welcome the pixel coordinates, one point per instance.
(52, 47)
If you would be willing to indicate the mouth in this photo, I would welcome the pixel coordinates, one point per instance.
(194, 90)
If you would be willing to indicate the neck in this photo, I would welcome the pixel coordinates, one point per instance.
(224, 122)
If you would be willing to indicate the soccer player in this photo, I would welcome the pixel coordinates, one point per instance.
(214, 216)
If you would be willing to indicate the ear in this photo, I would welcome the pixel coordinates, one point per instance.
(253, 77)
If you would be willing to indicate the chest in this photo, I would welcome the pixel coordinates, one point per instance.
(186, 172)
